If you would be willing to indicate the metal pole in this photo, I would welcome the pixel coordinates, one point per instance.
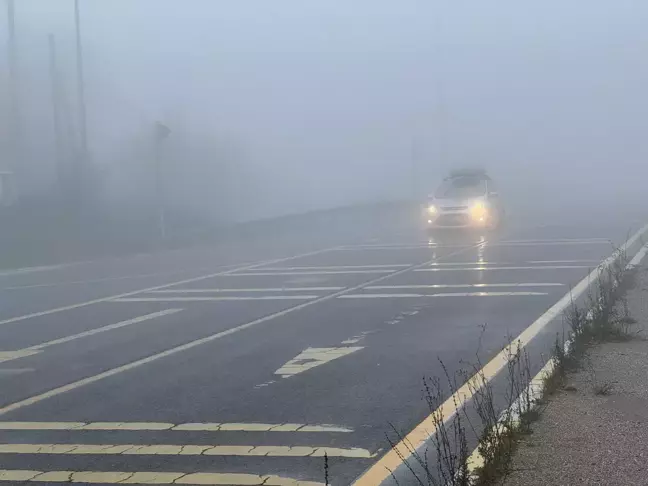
(14, 107)
(80, 86)
(56, 112)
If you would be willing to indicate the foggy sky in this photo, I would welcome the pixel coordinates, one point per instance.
(304, 104)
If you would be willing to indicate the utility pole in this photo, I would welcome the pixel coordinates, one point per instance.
(80, 99)
(56, 112)
(161, 133)
(14, 106)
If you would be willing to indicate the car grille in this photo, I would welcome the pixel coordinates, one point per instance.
(454, 208)
(452, 220)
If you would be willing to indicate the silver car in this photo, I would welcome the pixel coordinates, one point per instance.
(465, 199)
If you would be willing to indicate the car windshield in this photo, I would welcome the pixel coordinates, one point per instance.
(461, 187)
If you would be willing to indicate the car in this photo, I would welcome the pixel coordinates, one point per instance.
(465, 199)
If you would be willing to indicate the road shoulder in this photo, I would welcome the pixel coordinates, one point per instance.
(594, 430)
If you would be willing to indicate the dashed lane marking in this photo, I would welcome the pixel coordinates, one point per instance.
(216, 298)
(21, 353)
(444, 294)
(244, 290)
(186, 450)
(158, 287)
(90, 477)
(463, 286)
(313, 357)
(185, 427)
(536, 267)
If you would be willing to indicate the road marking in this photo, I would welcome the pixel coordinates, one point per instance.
(444, 264)
(561, 240)
(87, 477)
(338, 267)
(443, 294)
(308, 272)
(418, 437)
(207, 339)
(158, 426)
(15, 371)
(462, 286)
(313, 357)
(267, 289)
(98, 280)
(537, 267)
(214, 298)
(186, 450)
(31, 350)
(158, 287)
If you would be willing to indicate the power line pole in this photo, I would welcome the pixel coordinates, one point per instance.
(80, 86)
(56, 112)
(14, 106)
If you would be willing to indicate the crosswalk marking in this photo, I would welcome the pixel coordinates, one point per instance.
(216, 298)
(186, 450)
(90, 477)
(161, 426)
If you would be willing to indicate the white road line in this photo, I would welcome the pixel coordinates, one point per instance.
(445, 294)
(338, 267)
(158, 287)
(110, 327)
(307, 272)
(560, 240)
(31, 350)
(638, 257)
(418, 437)
(186, 450)
(98, 280)
(443, 264)
(216, 299)
(198, 342)
(243, 290)
(537, 267)
(88, 477)
(462, 286)
(313, 357)
(186, 427)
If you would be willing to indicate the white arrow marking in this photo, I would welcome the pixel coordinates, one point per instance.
(312, 357)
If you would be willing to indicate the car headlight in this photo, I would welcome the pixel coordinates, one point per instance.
(432, 209)
(479, 211)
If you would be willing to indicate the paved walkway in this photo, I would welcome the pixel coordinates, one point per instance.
(595, 430)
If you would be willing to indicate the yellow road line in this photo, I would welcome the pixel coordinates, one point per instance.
(185, 450)
(417, 438)
(90, 477)
(160, 426)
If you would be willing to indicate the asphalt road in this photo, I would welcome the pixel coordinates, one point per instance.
(244, 363)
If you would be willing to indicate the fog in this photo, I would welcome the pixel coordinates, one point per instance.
(286, 106)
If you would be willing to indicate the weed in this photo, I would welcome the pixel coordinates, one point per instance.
(602, 389)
